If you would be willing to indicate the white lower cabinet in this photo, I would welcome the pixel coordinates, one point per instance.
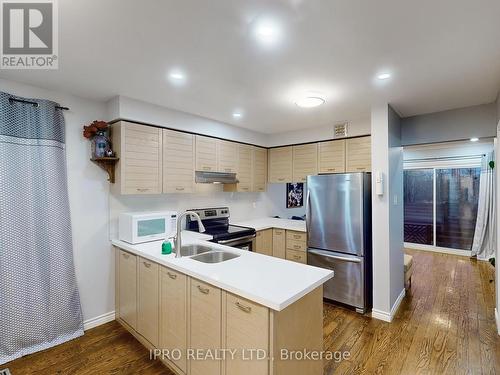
(173, 317)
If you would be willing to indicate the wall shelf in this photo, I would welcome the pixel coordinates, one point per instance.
(108, 164)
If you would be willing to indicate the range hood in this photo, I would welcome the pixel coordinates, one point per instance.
(215, 178)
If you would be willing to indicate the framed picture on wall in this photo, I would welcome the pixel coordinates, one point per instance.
(294, 195)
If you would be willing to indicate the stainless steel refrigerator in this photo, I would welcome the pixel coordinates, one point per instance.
(339, 235)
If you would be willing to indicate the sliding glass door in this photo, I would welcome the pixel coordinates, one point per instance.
(440, 206)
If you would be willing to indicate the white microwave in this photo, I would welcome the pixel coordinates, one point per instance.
(138, 227)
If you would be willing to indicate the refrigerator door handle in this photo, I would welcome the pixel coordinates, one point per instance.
(308, 211)
(336, 257)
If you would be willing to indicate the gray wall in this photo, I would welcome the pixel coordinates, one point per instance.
(453, 125)
(498, 107)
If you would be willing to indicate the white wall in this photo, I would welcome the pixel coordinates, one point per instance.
(497, 258)
(276, 202)
(135, 110)
(88, 198)
(356, 128)
(387, 211)
(456, 124)
(242, 206)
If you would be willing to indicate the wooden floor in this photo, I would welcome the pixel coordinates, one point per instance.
(445, 325)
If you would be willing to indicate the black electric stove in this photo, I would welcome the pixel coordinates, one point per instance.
(216, 222)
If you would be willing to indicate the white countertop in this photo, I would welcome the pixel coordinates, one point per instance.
(270, 222)
(272, 282)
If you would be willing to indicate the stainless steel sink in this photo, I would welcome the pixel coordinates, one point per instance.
(215, 257)
(189, 250)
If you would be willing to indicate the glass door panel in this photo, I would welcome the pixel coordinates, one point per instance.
(457, 192)
(418, 206)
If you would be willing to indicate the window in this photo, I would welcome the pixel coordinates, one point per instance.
(440, 206)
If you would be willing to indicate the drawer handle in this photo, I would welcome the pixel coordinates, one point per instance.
(148, 265)
(297, 257)
(142, 189)
(179, 188)
(125, 255)
(203, 290)
(297, 236)
(173, 276)
(296, 246)
(244, 308)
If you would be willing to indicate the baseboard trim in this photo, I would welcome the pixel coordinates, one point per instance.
(497, 319)
(437, 249)
(388, 316)
(98, 320)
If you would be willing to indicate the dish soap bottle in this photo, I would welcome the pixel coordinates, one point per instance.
(166, 247)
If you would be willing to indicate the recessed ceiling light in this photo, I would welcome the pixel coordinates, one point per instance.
(310, 100)
(237, 114)
(177, 76)
(267, 31)
(383, 76)
(474, 139)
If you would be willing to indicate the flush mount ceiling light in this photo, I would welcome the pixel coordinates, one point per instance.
(310, 100)
(177, 77)
(474, 139)
(237, 114)
(267, 32)
(384, 76)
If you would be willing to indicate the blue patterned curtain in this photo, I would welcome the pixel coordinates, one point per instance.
(39, 300)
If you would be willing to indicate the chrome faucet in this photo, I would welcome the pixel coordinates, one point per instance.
(178, 236)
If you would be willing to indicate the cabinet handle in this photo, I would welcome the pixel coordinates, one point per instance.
(244, 188)
(296, 236)
(142, 189)
(173, 276)
(242, 307)
(206, 168)
(281, 179)
(330, 169)
(228, 170)
(203, 290)
(297, 257)
(360, 168)
(148, 265)
(296, 246)
(179, 188)
(125, 255)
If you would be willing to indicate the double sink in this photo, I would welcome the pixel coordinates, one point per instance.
(206, 254)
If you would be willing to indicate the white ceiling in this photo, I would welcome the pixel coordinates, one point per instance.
(442, 54)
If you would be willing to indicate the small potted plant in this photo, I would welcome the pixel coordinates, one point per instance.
(97, 132)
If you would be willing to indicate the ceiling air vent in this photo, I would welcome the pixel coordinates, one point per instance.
(340, 130)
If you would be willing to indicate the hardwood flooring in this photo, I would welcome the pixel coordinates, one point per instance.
(445, 325)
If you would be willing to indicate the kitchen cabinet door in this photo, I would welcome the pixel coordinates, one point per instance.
(127, 289)
(173, 315)
(206, 154)
(358, 154)
(139, 147)
(305, 161)
(178, 162)
(264, 242)
(245, 170)
(148, 301)
(281, 164)
(259, 169)
(247, 327)
(279, 243)
(227, 156)
(205, 326)
(331, 156)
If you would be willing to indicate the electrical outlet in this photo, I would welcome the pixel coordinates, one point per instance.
(395, 199)
(254, 204)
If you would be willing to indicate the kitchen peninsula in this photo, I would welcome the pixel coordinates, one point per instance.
(245, 307)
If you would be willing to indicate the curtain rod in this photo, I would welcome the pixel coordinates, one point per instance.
(34, 104)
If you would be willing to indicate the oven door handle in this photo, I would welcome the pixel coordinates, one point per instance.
(239, 239)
